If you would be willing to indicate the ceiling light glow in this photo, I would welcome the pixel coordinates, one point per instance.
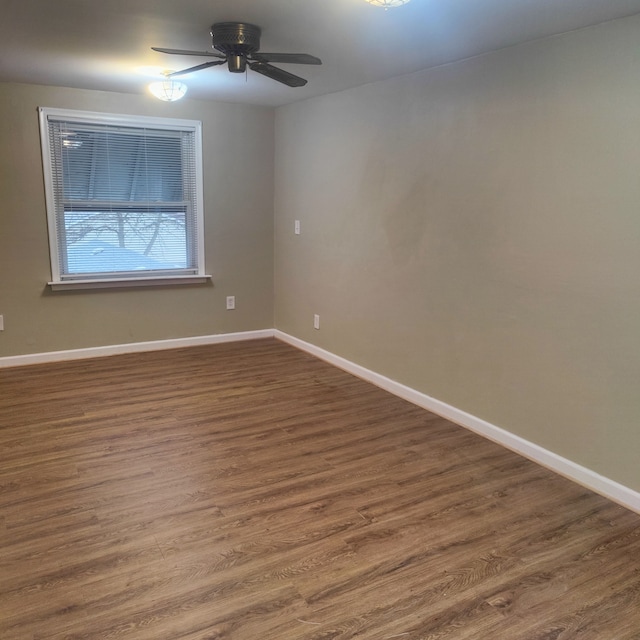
(152, 72)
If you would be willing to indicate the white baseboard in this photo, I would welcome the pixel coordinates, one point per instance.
(134, 347)
(581, 475)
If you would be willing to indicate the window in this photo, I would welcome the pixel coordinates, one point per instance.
(124, 199)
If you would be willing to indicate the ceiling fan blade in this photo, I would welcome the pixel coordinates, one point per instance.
(292, 58)
(186, 52)
(277, 74)
(198, 67)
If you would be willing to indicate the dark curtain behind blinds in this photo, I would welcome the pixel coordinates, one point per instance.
(125, 199)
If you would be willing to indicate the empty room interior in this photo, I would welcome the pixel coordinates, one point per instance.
(342, 343)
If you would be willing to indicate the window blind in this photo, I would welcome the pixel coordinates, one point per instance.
(125, 198)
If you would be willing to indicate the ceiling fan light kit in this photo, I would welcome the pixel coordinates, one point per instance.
(239, 46)
(387, 3)
(168, 90)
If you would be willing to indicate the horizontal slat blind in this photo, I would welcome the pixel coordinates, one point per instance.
(125, 199)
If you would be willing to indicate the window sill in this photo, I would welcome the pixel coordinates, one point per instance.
(125, 283)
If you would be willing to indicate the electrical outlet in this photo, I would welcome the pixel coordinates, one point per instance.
(316, 321)
(296, 227)
(1, 323)
(231, 302)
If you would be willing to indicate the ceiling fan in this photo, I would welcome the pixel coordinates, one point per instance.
(239, 43)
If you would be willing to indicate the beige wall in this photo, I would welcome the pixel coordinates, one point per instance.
(473, 231)
(238, 166)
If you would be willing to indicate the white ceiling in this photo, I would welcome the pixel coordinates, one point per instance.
(102, 44)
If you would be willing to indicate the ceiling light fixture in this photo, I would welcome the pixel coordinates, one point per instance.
(387, 3)
(168, 90)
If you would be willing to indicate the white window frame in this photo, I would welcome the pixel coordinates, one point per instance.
(58, 281)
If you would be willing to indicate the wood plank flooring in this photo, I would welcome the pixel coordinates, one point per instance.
(249, 491)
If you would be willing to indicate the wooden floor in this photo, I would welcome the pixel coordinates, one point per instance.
(250, 491)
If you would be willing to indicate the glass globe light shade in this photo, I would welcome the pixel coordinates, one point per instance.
(387, 3)
(168, 90)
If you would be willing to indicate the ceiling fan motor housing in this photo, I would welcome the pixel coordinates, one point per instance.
(236, 40)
